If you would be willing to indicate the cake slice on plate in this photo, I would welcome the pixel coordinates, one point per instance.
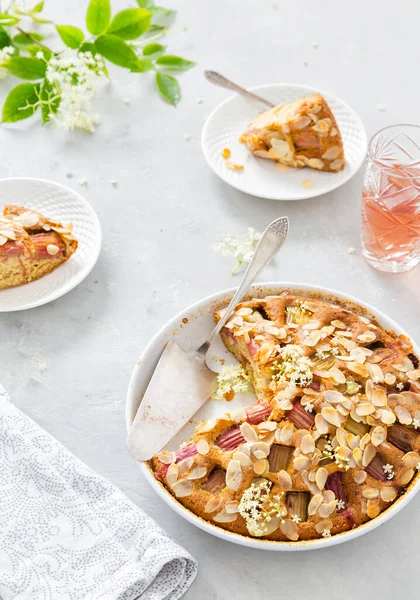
(31, 245)
(302, 133)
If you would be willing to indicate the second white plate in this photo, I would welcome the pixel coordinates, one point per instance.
(60, 203)
(260, 176)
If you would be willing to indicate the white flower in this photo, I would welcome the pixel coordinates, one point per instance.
(351, 250)
(82, 181)
(400, 385)
(416, 423)
(296, 519)
(40, 55)
(309, 407)
(341, 505)
(326, 533)
(388, 468)
(418, 466)
(5, 54)
(232, 378)
(73, 78)
(241, 247)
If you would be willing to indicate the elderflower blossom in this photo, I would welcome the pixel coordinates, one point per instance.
(416, 423)
(389, 471)
(241, 247)
(326, 533)
(232, 378)
(296, 519)
(341, 505)
(291, 366)
(258, 509)
(5, 54)
(73, 79)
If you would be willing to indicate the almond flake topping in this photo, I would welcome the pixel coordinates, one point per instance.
(202, 447)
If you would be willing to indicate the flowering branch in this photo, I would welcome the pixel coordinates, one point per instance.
(61, 85)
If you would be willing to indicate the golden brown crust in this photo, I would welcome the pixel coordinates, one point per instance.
(333, 439)
(303, 133)
(31, 245)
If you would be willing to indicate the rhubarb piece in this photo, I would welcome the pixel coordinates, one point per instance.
(185, 452)
(230, 439)
(300, 417)
(45, 242)
(414, 360)
(215, 482)
(258, 412)
(356, 428)
(375, 468)
(335, 484)
(297, 504)
(402, 437)
(279, 458)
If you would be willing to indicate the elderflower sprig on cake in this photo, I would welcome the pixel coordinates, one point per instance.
(60, 85)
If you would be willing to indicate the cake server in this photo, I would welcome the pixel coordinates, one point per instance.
(183, 380)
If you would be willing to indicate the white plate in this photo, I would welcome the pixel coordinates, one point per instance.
(62, 204)
(260, 177)
(190, 329)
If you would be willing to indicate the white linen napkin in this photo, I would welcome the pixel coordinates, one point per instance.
(68, 534)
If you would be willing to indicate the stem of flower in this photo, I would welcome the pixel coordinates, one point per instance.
(238, 264)
(33, 40)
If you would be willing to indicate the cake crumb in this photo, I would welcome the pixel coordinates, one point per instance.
(226, 153)
(307, 184)
(234, 166)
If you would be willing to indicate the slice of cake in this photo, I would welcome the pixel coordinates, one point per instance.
(303, 133)
(31, 245)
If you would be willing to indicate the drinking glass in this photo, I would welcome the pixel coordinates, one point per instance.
(391, 199)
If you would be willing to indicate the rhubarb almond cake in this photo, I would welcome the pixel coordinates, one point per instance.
(302, 133)
(332, 440)
(31, 245)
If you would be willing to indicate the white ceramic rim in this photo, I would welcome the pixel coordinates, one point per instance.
(235, 538)
(314, 192)
(74, 281)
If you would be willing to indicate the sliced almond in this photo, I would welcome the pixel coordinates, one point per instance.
(249, 432)
(307, 444)
(324, 524)
(290, 530)
(321, 477)
(411, 459)
(321, 424)
(332, 153)
(407, 476)
(368, 455)
(300, 463)
(302, 122)
(370, 492)
(285, 434)
(183, 488)
(172, 474)
(213, 504)
(379, 398)
(167, 458)
(378, 435)
(233, 475)
(261, 466)
(365, 408)
(224, 517)
(202, 447)
(388, 494)
(285, 481)
(360, 477)
(185, 464)
(331, 415)
(403, 415)
(325, 510)
(314, 504)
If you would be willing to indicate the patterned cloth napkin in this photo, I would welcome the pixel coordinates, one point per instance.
(68, 534)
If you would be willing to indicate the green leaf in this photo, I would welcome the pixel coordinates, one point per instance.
(153, 50)
(131, 23)
(88, 47)
(162, 16)
(143, 65)
(168, 88)
(38, 7)
(174, 63)
(98, 16)
(71, 36)
(146, 3)
(19, 97)
(117, 51)
(25, 67)
(6, 19)
(51, 98)
(4, 39)
(33, 50)
(22, 40)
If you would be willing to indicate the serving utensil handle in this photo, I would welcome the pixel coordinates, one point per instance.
(222, 81)
(270, 243)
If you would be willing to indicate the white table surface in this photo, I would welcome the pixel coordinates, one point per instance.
(67, 364)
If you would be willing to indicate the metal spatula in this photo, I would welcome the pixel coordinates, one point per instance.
(183, 381)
